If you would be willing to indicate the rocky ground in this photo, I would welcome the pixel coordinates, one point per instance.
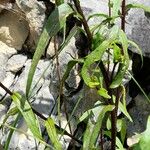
(21, 24)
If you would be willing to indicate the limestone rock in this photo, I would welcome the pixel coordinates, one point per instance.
(5, 53)
(8, 80)
(67, 54)
(137, 26)
(35, 14)
(139, 112)
(16, 62)
(13, 29)
(20, 84)
(6, 50)
(44, 101)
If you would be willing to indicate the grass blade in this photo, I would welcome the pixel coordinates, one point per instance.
(55, 22)
(26, 111)
(49, 124)
(91, 134)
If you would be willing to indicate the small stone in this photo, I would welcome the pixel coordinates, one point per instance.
(16, 62)
(6, 50)
(8, 80)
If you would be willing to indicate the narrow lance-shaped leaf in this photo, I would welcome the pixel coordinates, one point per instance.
(6, 146)
(136, 5)
(91, 134)
(138, 50)
(116, 7)
(11, 112)
(27, 113)
(97, 54)
(50, 127)
(123, 67)
(91, 58)
(54, 23)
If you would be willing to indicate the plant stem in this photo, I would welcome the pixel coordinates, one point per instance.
(84, 22)
(6, 89)
(41, 116)
(123, 15)
(101, 138)
(114, 120)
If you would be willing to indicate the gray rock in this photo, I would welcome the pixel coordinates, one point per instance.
(43, 101)
(5, 53)
(16, 62)
(139, 112)
(8, 80)
(137, 26)
(35, 14)
(65, 56)
(20, 84)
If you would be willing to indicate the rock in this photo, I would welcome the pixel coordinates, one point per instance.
(64, 57)
(137, 26)
(139, 112)
(35, 14)
(4, 4)
(8, 80)
(13, 29)
(6, 50)
(50, 50)
(20, 84)
(3, 111)
(16, 62)
(44, 101)
(132, 140)
(5, 53)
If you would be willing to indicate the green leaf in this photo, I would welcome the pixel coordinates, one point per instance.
(117, 53)
(59, 2)
(147, 98)
(6, 146)
(97, 54)
(138, 48)
(72, 33)
(117, 81)
(118, 142)
(116, 7)
(13, 111)
(123, 131)
(27, 113)
(91, 134)
(97, 15)
(123, 109)
(55, 22)
(123, 67)
(144, 141)
(85, 115)
(136, 5)
(104, 93)
(50, 127)
(70, 65)
(91, 58)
